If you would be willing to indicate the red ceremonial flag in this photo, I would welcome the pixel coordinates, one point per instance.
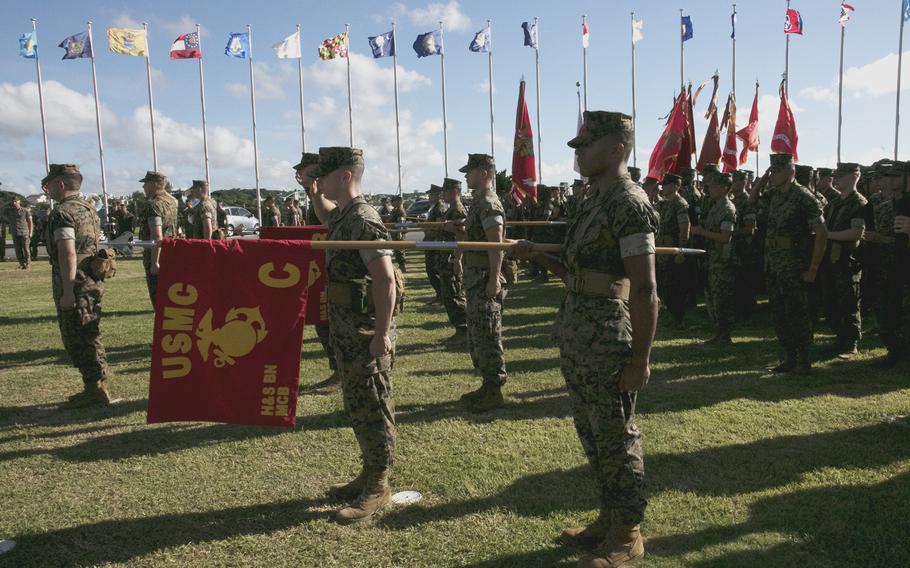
(524, 171)
(687, 148)
(317, 312)
(785, 138)
(749, 134)
(186, 47)
(666, 151)
(228, 326)
(730, 160)
(794, 22)
(710, 148)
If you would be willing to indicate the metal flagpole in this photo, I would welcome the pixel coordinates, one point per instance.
(897, 111)
(840, 91)
(634, 113)
(584, 62)
(537, 63)
(733, 23)
(490, 59)
(682, 64)
(347, 39)
(249, 31)
(41, 100)
(205, 135)
(148, 71)
(397, 119)
(98, 120)
(445, 120)
(787, 60)
(300, 81)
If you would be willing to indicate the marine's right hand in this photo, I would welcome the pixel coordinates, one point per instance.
(67, 300)
(521, 250)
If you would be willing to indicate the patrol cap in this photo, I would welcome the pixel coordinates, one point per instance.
(478, 161)
(847, 168)
(563, 185)
(781, 160)
(578, 183)
(883, 168)
(709, 170)
(334, 157)
(199, 183)
(634, 170)
(824, 172)
(599, 123)
(307, 159)
(671, 179)
(57, 170)
(804, 173)
(897, 169)
(289, 198)
(740, 175)
(725, 180)
(153, 176)
(434, 188)
(449, 183)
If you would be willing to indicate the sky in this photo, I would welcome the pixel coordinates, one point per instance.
(870, 64)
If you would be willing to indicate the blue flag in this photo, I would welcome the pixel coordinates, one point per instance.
(238, 45)
(686, 28)
(383, 45)
(429, 43)
(907, 10)
(530, 30)
(481, 41)
(77, 46)
(28, 45)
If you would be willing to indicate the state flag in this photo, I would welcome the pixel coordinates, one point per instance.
(585, 37)
(687, 31)
(794, 22)
(77, 46)
(382, 45)
(429, 43)
(530, 30)
(28, 45)
(335, 46)
(186, 47)
(289, 47)
(637, 26)
(126, 41)
(481, 41)
(238, 45)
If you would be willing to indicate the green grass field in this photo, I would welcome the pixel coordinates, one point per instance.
(743, 469)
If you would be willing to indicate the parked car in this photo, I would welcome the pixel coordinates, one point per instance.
(419, 209)
(240, 221)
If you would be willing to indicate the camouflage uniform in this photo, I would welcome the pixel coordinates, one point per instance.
(894, 314)
(272, 216)
(160, 211)
(791, 214)
(398, 215)
(366, 381)
(288, 215)
(205, 209)
(594, 334)
(484, 315)
(431, 258)
(75, 219)
(721, 217)
(19, 225)
(450, 284)
(841, 273)
(748, 267)
(671, 281)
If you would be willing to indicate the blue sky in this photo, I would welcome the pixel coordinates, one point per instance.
(870, 63)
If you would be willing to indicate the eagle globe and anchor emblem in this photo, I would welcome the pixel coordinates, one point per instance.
(243, 329)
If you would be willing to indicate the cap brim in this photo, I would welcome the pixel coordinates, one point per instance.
(465, 168)
(579, 141)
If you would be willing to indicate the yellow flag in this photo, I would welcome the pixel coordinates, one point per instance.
(128, 42)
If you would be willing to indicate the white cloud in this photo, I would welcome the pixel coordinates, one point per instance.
(124, 20)
(270, 82)
(67, 112)
(484, 87)
(183, 25)
(431, 14)
(872, 79)
(819, 94)
(555, 172)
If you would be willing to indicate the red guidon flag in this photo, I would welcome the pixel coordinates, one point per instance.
(749, 134)
(524, 171)
(666, 151)
(228, 327)
(317, 312)
(785, 137)
(731, 161)
(710, 148)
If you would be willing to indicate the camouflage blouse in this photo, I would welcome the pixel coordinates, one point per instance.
(791, 215)
(721, 217)
(73, 219)
(160, 210)
(673, 212)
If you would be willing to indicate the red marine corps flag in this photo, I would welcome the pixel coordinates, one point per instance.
(710, 148)
(228, 327)
(785, 138)
(749, 134)
(666, 151)
(731, 162)
(524, 171)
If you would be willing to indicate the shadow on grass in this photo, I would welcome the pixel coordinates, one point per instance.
(57, 355)
(836, 526)
(51, 415)
(53, 318)
(556, 557)
(121, 540)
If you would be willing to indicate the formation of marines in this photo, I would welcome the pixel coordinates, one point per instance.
(795, 226)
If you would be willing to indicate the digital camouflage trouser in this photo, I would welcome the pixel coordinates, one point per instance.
(431, 263)
(20, 244)
(79, 327)
(452, 291)
(605, 422)
(484, 318)
(840, 291)
(720, 297)
(790, 311)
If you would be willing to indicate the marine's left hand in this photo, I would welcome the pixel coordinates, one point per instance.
(380, 345)
(493, 288)
(634, 377)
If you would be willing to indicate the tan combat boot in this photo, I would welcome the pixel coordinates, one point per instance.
(470, 397)
(350, 490)
(623, 547)
(329, 386)
(490, 400)
(376, 495)
(95, 394)
(589, 537)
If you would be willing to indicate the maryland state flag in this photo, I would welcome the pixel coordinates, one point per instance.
(128, 42)
(785, 138)
(228, 327)
(524, 170)
(666, 151)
